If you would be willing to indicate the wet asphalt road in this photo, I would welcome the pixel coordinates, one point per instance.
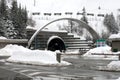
(81, 69)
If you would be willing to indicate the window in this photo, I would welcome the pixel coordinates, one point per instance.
(47, 14)
(79, 13)
(58, 14)
(36, 13)
(90, 14)
(100, 15)
(68, 13)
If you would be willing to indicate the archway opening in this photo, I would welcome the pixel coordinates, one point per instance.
(92, 31)
(56, 43)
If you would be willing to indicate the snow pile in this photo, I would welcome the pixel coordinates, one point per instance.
(19, 54)
(35, 57)
(115, 36)
(98, 50)
(114, 66)
(118, 78)
(9, 49)
(1, 37)
(30, 27)
(72, 51)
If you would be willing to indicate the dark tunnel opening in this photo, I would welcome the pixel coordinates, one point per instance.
(56, 44)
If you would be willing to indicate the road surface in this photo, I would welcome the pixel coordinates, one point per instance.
(81, 69)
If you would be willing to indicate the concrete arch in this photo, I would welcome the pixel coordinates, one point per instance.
(56, 43)
(93, 33)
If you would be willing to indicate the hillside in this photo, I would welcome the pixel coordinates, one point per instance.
(96, 22)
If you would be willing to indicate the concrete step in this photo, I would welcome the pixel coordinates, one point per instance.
(77, 45)
(71, 42)
(78, 42)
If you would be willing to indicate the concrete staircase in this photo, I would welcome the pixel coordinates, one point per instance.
(71, 42)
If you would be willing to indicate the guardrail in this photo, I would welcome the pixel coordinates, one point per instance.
(4, 42)
(117, 54)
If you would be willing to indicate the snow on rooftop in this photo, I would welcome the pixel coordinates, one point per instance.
(20, 54)
(114, 36)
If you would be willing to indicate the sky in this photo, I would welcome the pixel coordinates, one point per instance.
(71, 5)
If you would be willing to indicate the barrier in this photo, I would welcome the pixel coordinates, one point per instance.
(118, 54)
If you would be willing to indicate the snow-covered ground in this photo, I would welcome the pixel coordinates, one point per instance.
(20, 54)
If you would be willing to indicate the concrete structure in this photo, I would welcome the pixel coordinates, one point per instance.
(67, 42)
(4, 42)
(84, 25)
(115, 44)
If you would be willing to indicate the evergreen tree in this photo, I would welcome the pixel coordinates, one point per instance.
(110, 23)
(19, 19)
(80, 30)
(3, 17)
(22, 14)
(14, 17)
(2, 28)
(84, 18)
(70, 25)
(3, 9)
(9, 29)
(31, 22)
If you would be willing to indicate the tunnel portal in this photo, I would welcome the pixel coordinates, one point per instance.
(56, 43)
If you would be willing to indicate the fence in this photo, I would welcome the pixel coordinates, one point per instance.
(4, 42)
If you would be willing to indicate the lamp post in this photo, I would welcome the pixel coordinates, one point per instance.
(34, 2)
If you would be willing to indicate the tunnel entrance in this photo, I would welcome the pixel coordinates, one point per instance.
(56, 43)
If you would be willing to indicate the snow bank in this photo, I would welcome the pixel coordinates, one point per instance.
(72, 51)
(114, 66)
(118, 78)
(1, 37)
(35, 57)
(99, 50)
(19, 54)
(9, 49)
(30, 27)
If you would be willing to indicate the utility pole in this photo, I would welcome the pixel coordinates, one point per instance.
(34, 3)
